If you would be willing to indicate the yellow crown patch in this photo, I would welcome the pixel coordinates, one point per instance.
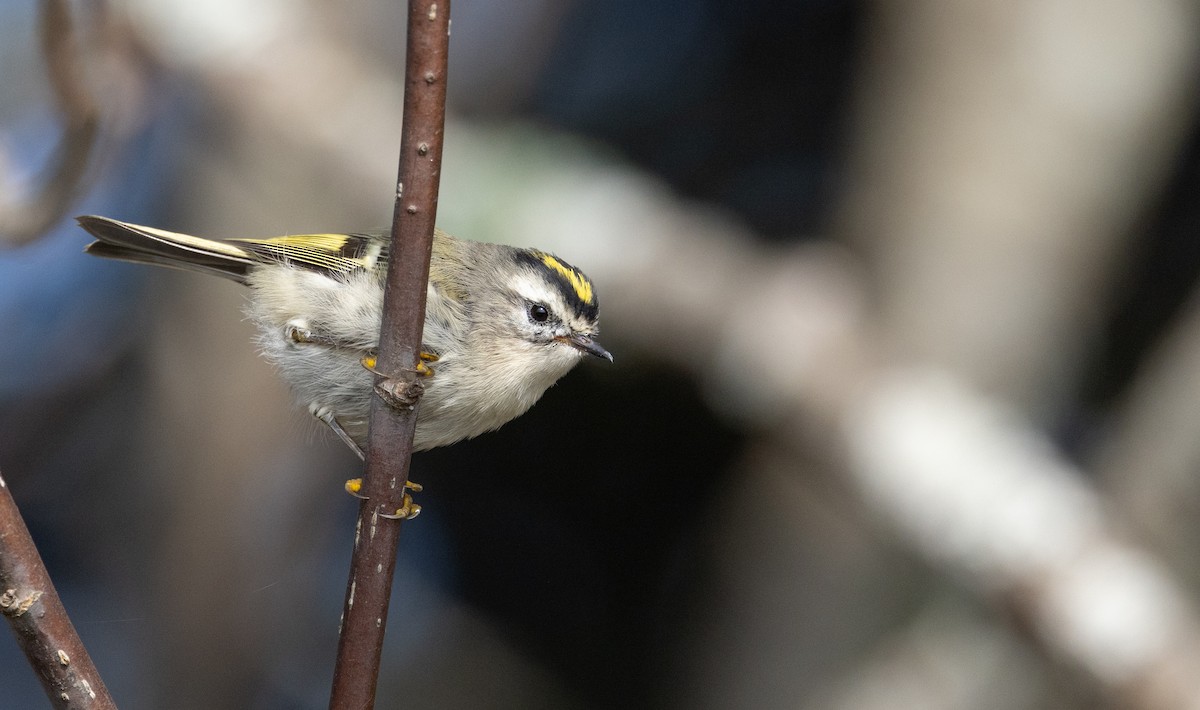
(579, 282)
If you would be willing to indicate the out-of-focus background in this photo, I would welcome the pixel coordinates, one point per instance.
(906, 404)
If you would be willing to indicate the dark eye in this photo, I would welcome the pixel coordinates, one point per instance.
(539, 313)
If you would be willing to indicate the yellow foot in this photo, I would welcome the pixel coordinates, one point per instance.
(370, 361)
(425, 370)
(354, 488)
(407, 510)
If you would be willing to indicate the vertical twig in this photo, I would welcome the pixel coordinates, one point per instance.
(390, 446)
(39, 621)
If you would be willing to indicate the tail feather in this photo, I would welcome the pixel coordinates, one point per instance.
(147, 245)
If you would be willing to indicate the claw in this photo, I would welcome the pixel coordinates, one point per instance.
(407, 510)
(425, 370)
(370, 361)
(297, 334)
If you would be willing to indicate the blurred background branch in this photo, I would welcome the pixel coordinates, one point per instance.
(26, 215)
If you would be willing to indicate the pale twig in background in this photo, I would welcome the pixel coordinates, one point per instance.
(981, 492)
(24, 219)
(1003, 153)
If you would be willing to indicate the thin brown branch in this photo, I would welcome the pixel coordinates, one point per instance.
(23, 221)
(39, 621)
(389, 449)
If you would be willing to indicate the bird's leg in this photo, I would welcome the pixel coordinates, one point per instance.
(408, 509)
(331, 421)
(298, 331)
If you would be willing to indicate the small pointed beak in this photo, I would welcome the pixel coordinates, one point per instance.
(587, 345)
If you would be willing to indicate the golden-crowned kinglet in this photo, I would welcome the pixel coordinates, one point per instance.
(502, 324)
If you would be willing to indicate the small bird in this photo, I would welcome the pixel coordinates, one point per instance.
(502, 324)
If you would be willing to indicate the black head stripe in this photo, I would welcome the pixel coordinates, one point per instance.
(575, 287)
